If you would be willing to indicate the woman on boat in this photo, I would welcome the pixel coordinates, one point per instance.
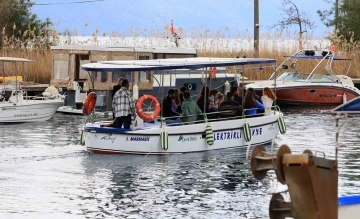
(220, 98)
(176, 103)
(267, 99)
(212, 99)
(203, 100)
(251, 104)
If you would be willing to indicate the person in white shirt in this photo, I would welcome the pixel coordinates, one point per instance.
(267, 99)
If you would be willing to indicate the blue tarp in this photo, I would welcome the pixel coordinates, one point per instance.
(349, 200)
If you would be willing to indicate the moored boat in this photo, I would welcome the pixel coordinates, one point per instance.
(297, 87)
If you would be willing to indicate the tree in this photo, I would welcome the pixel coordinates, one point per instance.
(293, 16)
(344, 16)
(19, 24)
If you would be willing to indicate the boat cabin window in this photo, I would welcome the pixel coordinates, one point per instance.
(80, 60)
(319, 78)
(61, 69)
(292, 76)
(101, 76)
(117, 75)
(144, 76)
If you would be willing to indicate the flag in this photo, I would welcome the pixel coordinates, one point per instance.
(172, 27)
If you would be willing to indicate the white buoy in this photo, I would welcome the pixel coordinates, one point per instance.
(135, 91)
(226, 87)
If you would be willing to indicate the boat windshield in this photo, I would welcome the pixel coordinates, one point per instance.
(292, 76)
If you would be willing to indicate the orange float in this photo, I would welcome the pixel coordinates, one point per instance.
(332, 48)
(142, 114)
(212, 72)
(89, 104)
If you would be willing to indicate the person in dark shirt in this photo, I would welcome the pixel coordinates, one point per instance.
(181, 94)
(116, 87)
(203, 100)
(235, 93)
(251, 104)
(250, 89)
(167, 108)
(230, 107)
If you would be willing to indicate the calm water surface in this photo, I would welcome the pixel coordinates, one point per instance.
(44, 173)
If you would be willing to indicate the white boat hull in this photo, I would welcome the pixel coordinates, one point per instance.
(349, 207)
(182, 139)
(28, 111)
(71, 110)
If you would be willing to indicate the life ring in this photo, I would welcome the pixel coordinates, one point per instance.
(332, 48)
(144, 115)
(89, 104)
(212, 73)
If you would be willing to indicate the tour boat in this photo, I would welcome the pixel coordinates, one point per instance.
(296, 87)
(156, 138)
(16, 106)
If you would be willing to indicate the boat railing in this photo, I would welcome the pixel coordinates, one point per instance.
(176, 121)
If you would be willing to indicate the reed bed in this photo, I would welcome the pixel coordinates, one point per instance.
(207, 42)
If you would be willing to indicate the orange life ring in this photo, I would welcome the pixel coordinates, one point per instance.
(89, 104)
(212, 72)
(332, 48)
(142, 114)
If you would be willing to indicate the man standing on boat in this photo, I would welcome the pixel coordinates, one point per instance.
(123, 106)
(116, 87)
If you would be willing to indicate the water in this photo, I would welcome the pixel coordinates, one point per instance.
(44, 173)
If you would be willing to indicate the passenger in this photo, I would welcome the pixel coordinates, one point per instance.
(268, 98)
(230, 107)
(176, 103)
(181, 94)
(203, 100)
(212, 99)
(250, 89)
(220, 98)
(116, 87)
(167, 108)
(123, 106)
(114, 90)
(235, 92)
(190, 110)
(251, 104)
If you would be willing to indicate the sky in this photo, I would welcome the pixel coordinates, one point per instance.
(231, 17)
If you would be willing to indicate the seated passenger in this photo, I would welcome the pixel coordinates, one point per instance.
(190, 110)
(181, 94)
(250, 89)
(268, 98)
(251, 104)
(230, 107)
(235, 93)
(167, 108)
(203, 100)
(220, 98)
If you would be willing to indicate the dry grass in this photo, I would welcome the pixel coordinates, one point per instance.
(209, 44)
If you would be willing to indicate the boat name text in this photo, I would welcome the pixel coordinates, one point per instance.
(143, 138)
(9, 108)
(184, 139)
(235, 134)
(26, 115)
(108, 138)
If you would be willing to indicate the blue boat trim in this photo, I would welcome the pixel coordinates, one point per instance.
(166, 153)
(349, 200)
(353, 106)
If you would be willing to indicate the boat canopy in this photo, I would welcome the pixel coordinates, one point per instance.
(171, 64)
(315, 57)
(353, 106)
(13, 59)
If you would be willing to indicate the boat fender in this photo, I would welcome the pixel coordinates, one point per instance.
(135, 91)
(226, 87)
(89, 104)
(247, 132)
(164, 138)
(86, 86)
(209, 135)
(282, 126)
(82, 139)
(70, 85)
(140, 111)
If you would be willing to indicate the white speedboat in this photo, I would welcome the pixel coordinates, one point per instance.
(297, 87)
(157, 138)
(16, 106)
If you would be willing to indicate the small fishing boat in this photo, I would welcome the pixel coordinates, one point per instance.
(151, 135)
(296, 87)
(16, 106)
